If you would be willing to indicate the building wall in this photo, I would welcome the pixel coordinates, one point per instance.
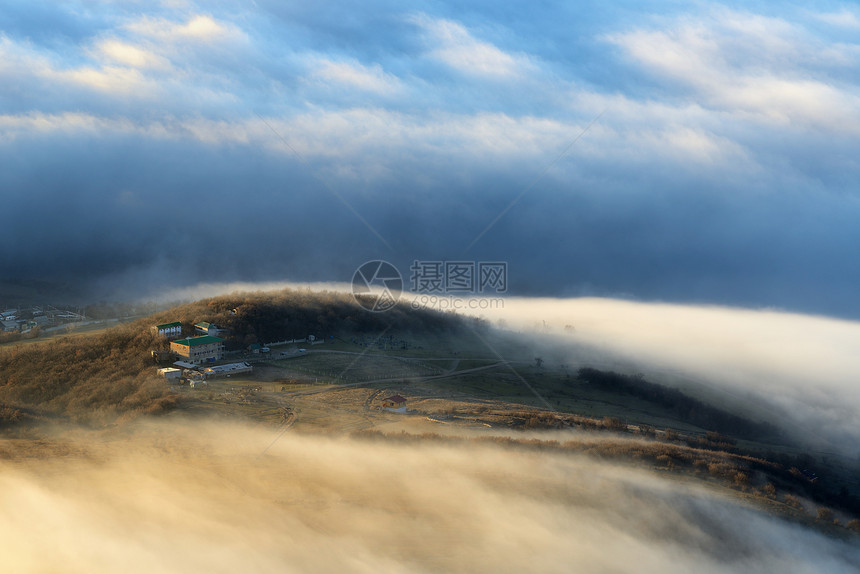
(211, 330)
(198, 354)
(170, 331)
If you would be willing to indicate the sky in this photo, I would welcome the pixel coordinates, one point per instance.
(655, 151)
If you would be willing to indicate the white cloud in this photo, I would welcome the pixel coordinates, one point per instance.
(112, 79)
(455, 46)
(182, 497)
(687, 143)
(130, 55)
(14, 126)
(685, 134)
(353, 135)
(354, 74)
(201, 28)
(805, 367)
(21, 62)
(760, 68)
(843, 19)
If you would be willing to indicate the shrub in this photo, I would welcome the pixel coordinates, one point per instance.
(792, 501)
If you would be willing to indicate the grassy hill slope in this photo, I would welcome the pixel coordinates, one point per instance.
(110, 375)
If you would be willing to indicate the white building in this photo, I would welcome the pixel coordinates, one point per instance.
(169, 330)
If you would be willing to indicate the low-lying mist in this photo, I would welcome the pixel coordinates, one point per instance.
(799, 371)
(183, 497)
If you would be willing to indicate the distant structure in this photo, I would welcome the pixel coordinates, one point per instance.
(170, 373)
(206, 328)
(199, 350)
(186, 366)
(394, 403)
(227, 370)
(169, 330)
(162, 356)
(809, 475)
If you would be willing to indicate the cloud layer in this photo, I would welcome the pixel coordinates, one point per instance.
(274, 142)
(798, 372)
(181, 497)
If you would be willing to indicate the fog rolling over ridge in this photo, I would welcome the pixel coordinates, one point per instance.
(617, 167)
(181, 497)
(800, 372)
(803, 371)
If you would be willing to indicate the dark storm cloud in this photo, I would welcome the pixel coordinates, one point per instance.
(225, 143)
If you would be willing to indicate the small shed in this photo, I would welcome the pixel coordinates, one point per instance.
(170, 373)
(394, 403)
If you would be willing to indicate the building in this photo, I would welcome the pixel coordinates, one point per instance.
(809, 475)
(394, 403)
(206, 328)
(170, 373)
(9, 325)
(198, 350)
(227, 370)
(169, 330)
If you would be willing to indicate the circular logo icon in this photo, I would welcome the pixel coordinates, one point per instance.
(376, 286)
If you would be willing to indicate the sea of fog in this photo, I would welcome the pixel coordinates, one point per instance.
(177, 496)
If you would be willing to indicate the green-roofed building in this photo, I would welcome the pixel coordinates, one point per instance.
(169, 330)
(199, 350)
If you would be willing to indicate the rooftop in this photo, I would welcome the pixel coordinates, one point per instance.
(168, 325)
(194, 341)
(228, 368)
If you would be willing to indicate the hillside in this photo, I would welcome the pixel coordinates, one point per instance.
(453, 377)
(293, 314)
(93, 379)
(110, 375)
